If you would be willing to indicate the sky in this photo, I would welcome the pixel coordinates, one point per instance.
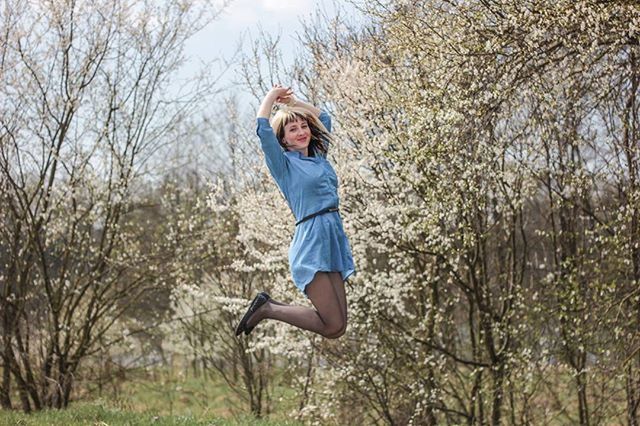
(242, 19)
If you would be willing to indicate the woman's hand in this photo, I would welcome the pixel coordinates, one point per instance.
(276, 93)
(283, 95)
(280, 94)
(287, 99)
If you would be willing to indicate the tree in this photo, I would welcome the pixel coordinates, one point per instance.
(215, 263)
(486, 158)
(85, 105)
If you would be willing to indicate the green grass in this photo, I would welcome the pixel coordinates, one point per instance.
(97, 414)
(167, 392)
(158, 397)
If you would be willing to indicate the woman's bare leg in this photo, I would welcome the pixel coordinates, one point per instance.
(327, 319)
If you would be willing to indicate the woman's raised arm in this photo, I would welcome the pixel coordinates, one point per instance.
(290, 100)
(273, 152)
(293, 102)
(276, 94)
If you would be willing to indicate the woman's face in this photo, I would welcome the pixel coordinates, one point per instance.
(297, 135)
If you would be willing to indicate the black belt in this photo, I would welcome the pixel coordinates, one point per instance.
(323, 211)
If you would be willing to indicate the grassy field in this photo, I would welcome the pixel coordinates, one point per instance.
(96, 414)
(163, 397)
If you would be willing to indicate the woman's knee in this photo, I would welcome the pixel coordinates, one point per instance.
(336, 331)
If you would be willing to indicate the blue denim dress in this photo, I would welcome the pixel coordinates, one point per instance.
(309, 184)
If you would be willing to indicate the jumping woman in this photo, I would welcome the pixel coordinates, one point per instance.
(295, 145)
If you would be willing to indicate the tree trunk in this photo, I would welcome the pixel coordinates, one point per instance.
(5, 386)
(633, 399)
(5, 399)
(497, 393)
(581, 378)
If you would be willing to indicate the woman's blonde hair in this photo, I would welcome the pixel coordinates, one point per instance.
(320, 136)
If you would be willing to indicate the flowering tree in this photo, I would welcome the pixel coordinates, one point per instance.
(216, 265)
(487, 135)
(488, 161)
(84, 107)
